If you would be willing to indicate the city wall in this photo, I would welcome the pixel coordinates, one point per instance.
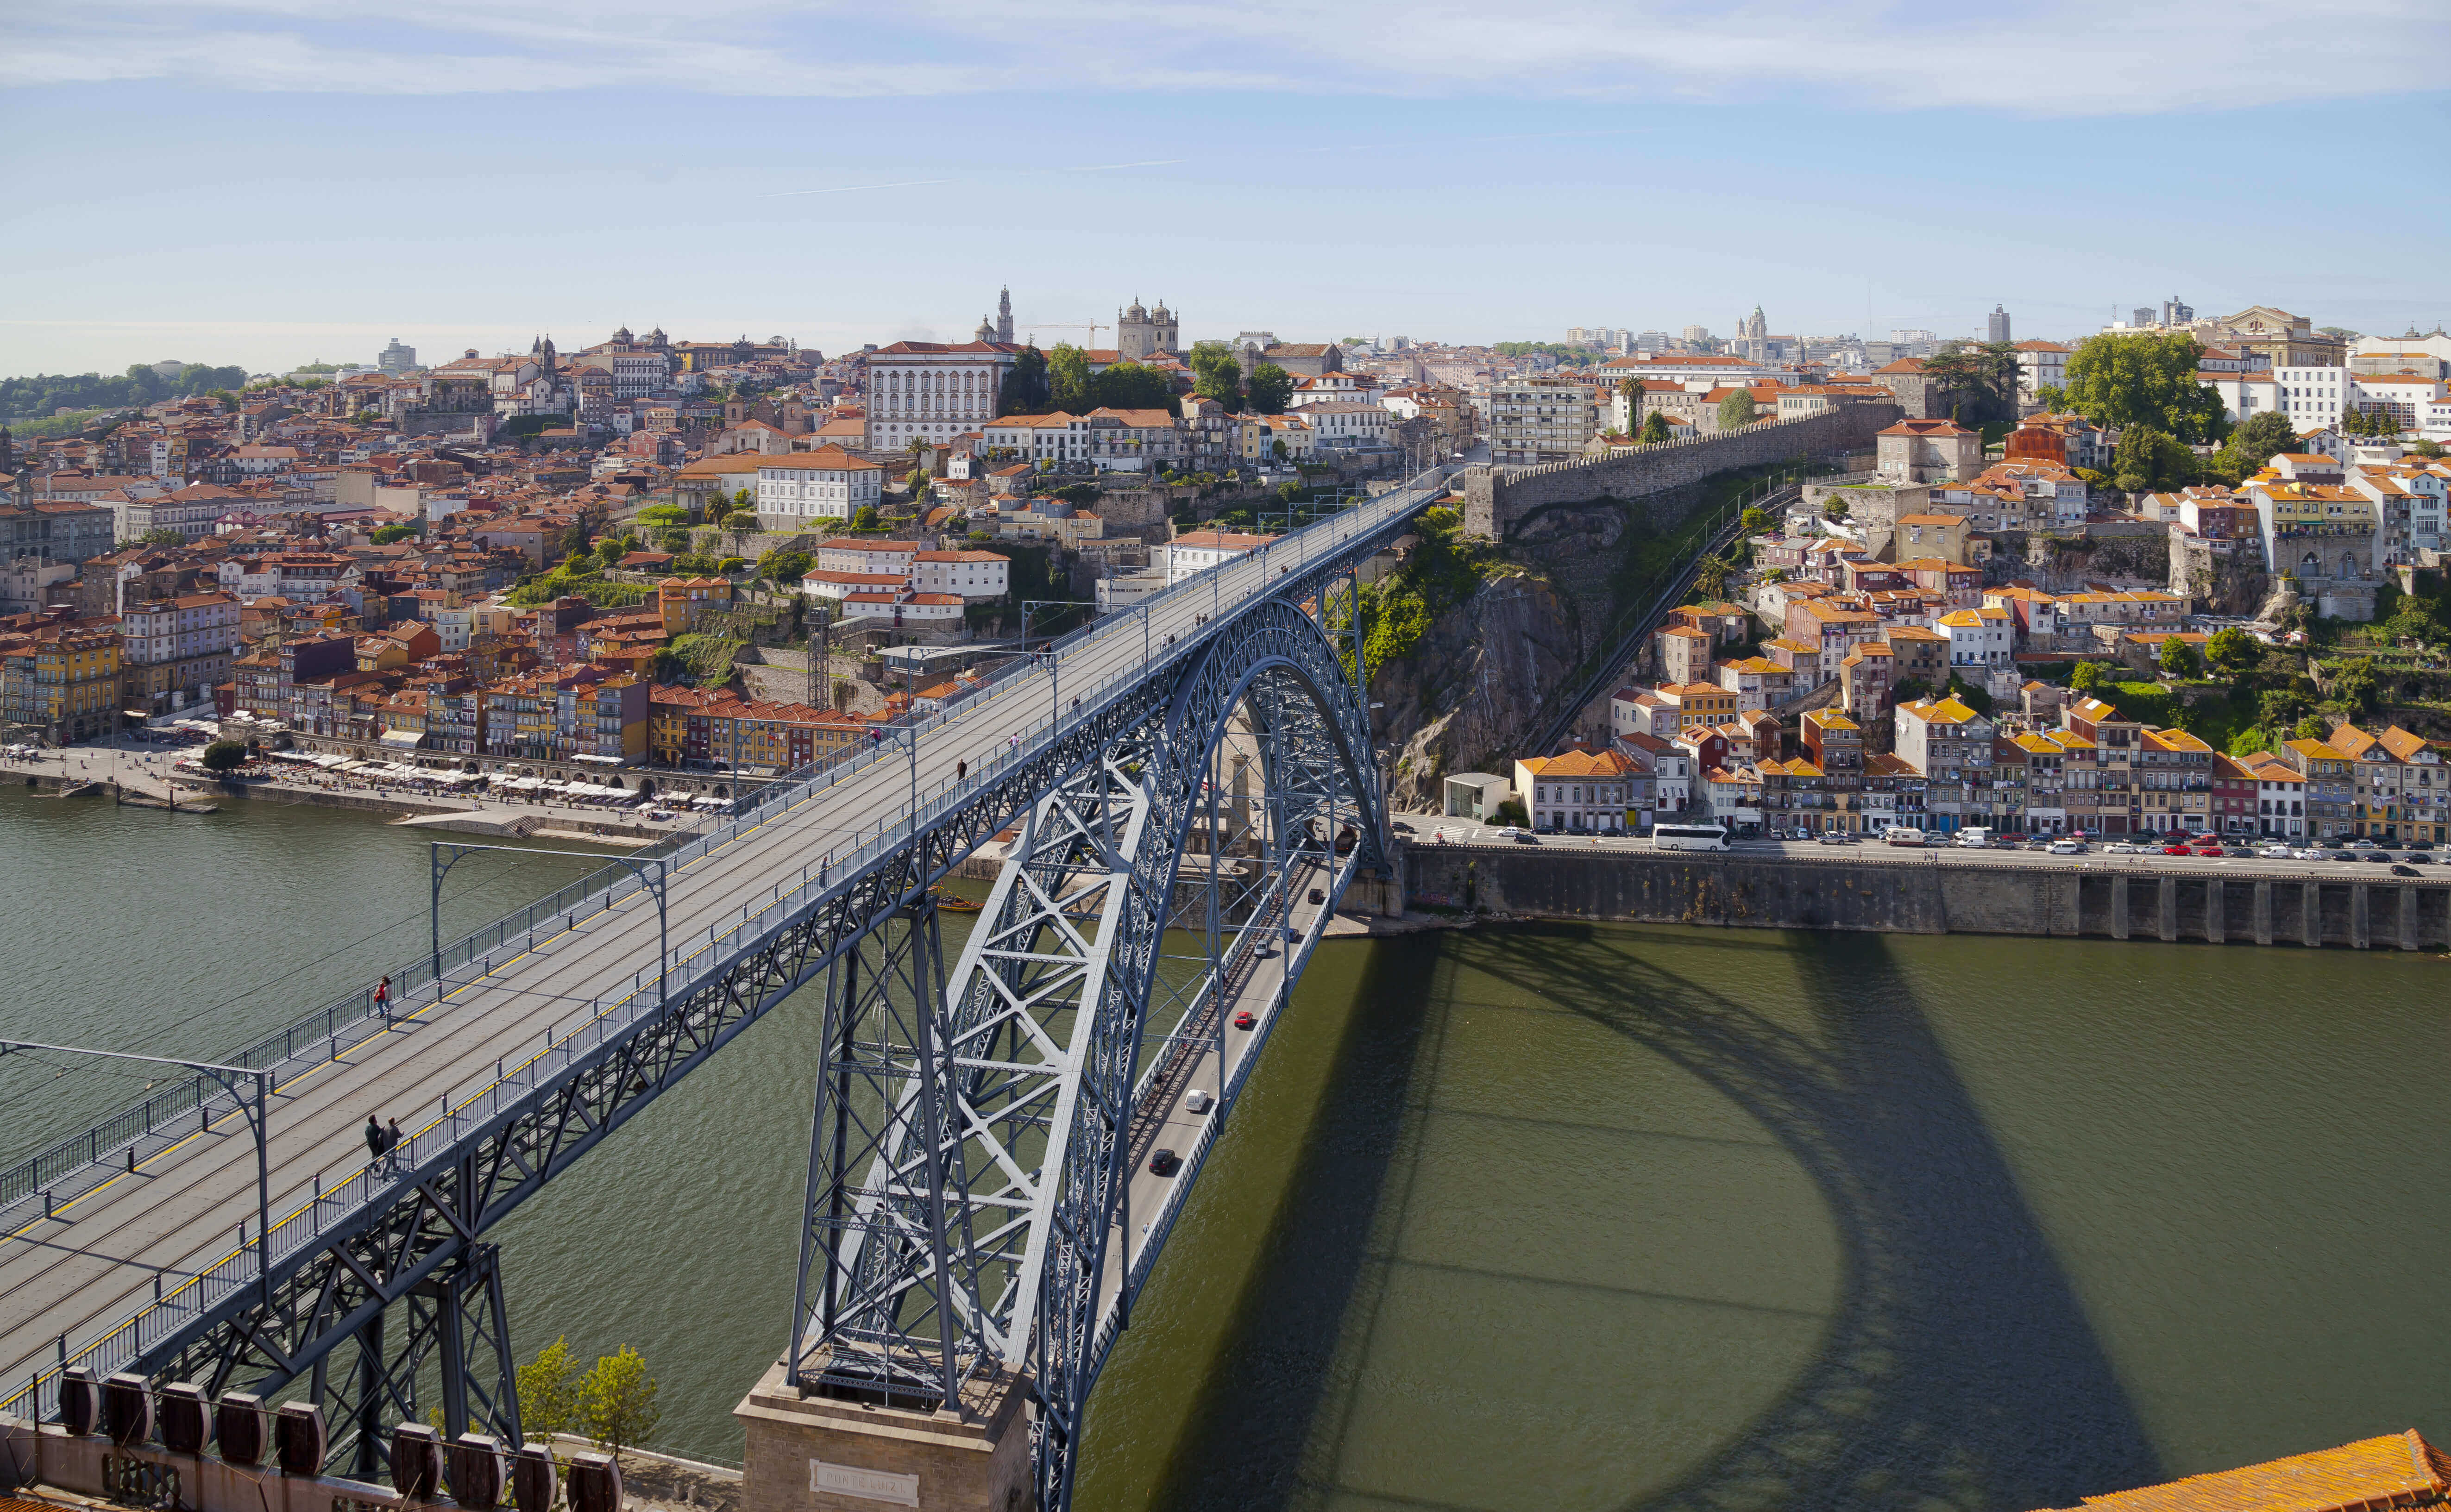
(1496, 497)
(1929, 895)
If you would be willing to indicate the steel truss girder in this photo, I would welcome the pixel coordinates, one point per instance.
(970, 1148)
(424, 1230)
(329, 1294)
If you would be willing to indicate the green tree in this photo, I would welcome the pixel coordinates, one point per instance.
(1068, 378)
(2257, 440)
(617, 1402)
(2145, 378)
(1026, 390)
(1711, 578)
(2425, 448)
(1736, 410)
(1655, 428)
(2147, 459)
(385, 534)
(866, 518)
(2233, 650)
(675, 541)
(2313, 728)
(782, 568)
(549, 1393)
(1753, 522)
(1132, 386)
(2358, 687)
(224, 756)
(2091, 674)
(165, 536)
(574, 540)
(1217, 374)
(2179, 659)
(1271, 390)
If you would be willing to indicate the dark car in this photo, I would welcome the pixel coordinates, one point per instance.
(2403, 870)
(2419, 857)
(2377, 856)
(2237, 851)
(2340, 856)
(1244, 1019)
(1165, 1163)
(2420, 845)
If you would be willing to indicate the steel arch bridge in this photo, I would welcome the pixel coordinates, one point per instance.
(1182, 830)
(967, 1205)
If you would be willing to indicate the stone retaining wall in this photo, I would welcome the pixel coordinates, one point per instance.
(1495, 498)
(1929, 895)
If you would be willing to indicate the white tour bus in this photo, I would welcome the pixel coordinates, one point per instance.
(1688, 838)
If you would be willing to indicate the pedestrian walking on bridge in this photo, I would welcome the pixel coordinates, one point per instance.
(374, 1140)
(391, 1143)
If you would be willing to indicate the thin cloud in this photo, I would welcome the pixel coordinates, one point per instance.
(854, 188)
(1107, 167)
(2074, 57)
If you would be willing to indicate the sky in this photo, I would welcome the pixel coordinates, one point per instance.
(273, 182)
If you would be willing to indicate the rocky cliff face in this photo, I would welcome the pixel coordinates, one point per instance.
(1470, 694)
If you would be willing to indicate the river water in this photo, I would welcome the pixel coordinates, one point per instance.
(1548, 1217)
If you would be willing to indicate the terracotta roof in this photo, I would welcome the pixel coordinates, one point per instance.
(1579, 764)
(2400, 1470)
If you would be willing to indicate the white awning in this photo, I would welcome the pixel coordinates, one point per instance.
(403, 740)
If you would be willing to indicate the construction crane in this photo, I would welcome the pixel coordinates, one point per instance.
(1093, 327)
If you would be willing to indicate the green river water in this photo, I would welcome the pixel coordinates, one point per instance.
(1547, 1217)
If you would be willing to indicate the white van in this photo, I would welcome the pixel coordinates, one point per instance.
(1975, 837)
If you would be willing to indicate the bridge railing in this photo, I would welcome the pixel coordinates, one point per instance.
(306, 1218)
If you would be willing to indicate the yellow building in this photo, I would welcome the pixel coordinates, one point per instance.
(63, 679)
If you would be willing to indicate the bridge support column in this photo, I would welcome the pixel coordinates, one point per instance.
(812, 1453)
(2119, 906)
(2216, 925)
(2166, 909)
(2263, 912)
(2361, 935)
(2310, 913)
(2407, 918)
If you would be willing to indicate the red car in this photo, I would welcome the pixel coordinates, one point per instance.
(1244, 1019)
(2174, 850)
(2208, 850)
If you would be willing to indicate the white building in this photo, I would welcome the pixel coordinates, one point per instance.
(934, 390)
(847, 555)
(829, 483)
(1195, 552)
(2040, 365)
(1979, 640)
(1342, 424)
(976, 576)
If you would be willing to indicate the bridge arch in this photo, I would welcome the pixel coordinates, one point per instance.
(965, 1199)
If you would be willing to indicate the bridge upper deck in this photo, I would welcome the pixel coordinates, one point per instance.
(80, 1282)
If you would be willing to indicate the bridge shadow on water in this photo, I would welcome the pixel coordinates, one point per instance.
(1958, 1370)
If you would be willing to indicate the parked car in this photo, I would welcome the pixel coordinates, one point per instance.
(2277, 853)
(2306, 853)
(2419, 857)
(2068, 847)
(1509, 832)
(2174, 850)
(2119, 848)
(2343, 855)
(1165, 1163)
(1836, 837)
(2361, 843)
(2420, 845)
(2375, 856)
(2211, 850)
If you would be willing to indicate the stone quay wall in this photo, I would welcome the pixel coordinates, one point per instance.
(1496, 497)
(1931, 895)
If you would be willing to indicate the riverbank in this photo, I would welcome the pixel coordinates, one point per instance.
(1927, 893)
(146, 774)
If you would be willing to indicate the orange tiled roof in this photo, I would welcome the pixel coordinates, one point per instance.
(2400, 1470)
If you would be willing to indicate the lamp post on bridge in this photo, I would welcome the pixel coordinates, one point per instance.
(258, 1117)
(655, 883)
